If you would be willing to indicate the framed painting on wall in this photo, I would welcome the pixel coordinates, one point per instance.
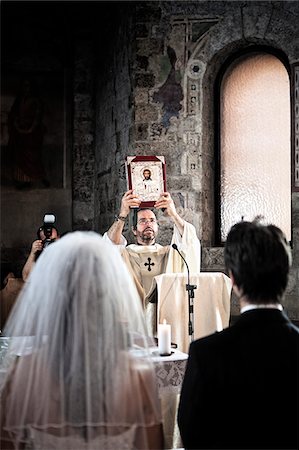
(146, 175)
(33, 137)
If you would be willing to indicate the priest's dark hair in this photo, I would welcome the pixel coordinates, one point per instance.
(259, 258)
(135, 215)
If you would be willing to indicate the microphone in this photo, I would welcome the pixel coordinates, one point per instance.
(175, 247)
(190, 289)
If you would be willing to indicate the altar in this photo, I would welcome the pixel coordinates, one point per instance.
(211, 304)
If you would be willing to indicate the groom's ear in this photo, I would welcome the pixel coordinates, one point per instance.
(235, 287)
(231, 276)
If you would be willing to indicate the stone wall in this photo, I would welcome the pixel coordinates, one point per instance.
(114, 117)
(83, 161)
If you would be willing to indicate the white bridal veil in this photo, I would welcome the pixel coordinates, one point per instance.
(83, 377)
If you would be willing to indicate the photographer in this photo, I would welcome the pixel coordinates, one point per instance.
(46, 234)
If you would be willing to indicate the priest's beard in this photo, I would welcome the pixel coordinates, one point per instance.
(146, 237)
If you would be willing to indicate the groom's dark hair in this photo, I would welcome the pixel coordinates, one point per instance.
(259, 258)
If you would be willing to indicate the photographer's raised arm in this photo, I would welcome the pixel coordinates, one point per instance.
(129, 200)
(37, 246)
(165, 202)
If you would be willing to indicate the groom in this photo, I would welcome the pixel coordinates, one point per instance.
(252, 368)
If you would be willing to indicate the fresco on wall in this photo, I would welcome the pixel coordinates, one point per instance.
(170, 94)
(32, 130)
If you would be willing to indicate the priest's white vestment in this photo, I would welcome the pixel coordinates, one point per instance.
(146, 261)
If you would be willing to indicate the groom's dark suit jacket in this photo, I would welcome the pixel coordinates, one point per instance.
(241, 386)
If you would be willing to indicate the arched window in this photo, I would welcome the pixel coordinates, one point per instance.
(255, 142)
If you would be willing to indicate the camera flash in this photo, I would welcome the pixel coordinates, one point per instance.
(49, 218)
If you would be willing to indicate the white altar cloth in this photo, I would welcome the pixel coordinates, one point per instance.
(211, 304)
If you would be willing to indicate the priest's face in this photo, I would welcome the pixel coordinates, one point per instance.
(147, 227)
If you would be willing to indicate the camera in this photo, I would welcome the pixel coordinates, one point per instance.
(46, 230)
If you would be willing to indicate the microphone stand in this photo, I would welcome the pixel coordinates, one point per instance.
(190, 290)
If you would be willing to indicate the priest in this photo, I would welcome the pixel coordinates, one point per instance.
(146, 258)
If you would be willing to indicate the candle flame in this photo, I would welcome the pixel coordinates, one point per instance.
(164, 322)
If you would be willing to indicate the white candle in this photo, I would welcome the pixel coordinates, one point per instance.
(164, 338)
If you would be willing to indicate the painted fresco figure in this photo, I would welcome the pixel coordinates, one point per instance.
(170, 94)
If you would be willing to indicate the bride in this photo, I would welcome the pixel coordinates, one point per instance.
(79, 372)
